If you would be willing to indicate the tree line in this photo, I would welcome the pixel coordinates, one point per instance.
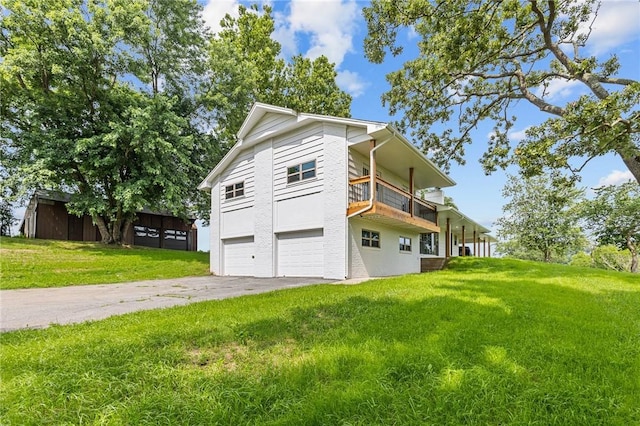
(128, 104)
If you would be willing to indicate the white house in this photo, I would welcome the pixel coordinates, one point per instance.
(320, 196)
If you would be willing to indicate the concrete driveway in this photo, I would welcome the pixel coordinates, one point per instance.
(40, 307)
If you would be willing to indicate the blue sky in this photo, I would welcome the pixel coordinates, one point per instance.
(337, 29)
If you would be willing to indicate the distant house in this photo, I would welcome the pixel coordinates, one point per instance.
(46, 217)
(320, 196)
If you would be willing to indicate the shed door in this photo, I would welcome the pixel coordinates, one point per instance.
(239, 257)
(301, 254)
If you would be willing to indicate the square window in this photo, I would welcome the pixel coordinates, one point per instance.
(370, 238)
(233, 191)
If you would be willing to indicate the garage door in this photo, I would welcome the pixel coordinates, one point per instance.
(239, 257)
(301, 254)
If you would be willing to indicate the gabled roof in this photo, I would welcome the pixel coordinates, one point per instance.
(375, 130)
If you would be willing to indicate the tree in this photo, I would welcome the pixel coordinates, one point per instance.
(244, 67)
(478, 58)
(93, 95)
(6, 218)
(540, 216)
(614, 217)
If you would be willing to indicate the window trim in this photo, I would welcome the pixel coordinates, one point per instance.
(234, 190)
(403, 246)
(370, 239)
(300, 173)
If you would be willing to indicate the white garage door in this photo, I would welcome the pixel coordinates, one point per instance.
(301, 254)
(239, 257)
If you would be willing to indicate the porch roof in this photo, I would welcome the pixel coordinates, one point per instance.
(398, 155)
(458, 219)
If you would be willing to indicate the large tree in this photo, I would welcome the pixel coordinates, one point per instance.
(614, 217)
(94, 96)
(245, 67)
(478, 58)
(540, 216)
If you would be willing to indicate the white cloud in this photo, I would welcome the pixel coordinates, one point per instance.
(215, 10)
(615, 25)
(616, 177)
(329, 25)
(558, 89)
(517, 136)
(351, 82)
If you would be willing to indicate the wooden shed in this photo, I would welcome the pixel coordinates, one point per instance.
(46, 217)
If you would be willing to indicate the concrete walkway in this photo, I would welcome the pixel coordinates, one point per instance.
(40, 307)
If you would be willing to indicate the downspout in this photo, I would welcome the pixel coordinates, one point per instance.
(372, 177)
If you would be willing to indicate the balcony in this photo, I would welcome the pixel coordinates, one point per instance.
(392, 206)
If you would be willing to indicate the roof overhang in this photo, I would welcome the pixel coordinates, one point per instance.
(457, 220)
(399, 154)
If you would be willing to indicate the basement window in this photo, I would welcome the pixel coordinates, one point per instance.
(301, 171)
(405, 244)
(370, 238)
(234, 190)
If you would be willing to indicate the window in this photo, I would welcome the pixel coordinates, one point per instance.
(405, 244)
(370, 238)
(301, 171)
(233, 191)
(429, 244)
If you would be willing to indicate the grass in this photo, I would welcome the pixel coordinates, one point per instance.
(488, 341)
(44, 263)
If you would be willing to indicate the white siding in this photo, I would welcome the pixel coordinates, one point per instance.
(270, 123)
(263, 219)
(237, 223)
(356, 133)
(335, 192)
(294, 148)
(215, 246)
(240, 170)
(386, 260)
(306, 212)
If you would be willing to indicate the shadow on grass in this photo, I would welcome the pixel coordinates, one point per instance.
(432, 349)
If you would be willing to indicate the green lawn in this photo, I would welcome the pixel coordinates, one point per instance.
(46, 263)
(487, 342)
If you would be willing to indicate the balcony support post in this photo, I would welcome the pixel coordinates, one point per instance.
(447, 239)
(411, 191)
(475, 250)
(464, 243)
(373, 170)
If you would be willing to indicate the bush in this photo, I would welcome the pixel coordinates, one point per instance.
(610, 257)
(581, 259)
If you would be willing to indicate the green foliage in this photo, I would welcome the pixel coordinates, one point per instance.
(489, 341)
(478, 58)
(613, 216)
(581, 259)
(26, 263)
(79, 117)
(540, 221)
(244, 67)
(611, 257)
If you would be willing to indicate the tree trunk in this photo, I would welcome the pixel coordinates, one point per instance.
(633, 164)
(634, 254)
(117, 233)
(107, 238)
